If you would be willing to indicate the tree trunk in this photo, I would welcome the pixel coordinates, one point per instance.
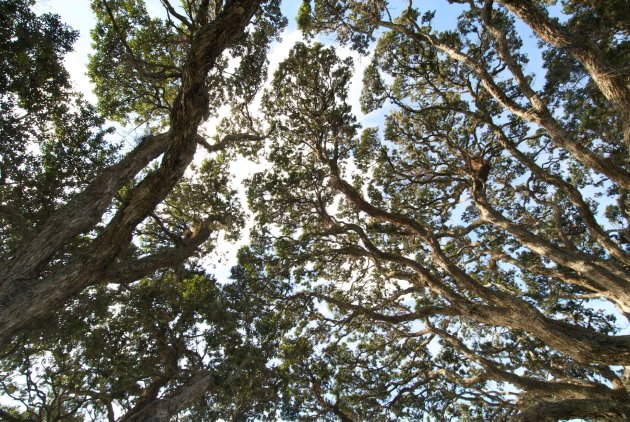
(601, 410)
(24, 294)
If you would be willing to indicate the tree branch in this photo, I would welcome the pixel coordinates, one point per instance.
(80, 214)
(541, 117)
(610, 80)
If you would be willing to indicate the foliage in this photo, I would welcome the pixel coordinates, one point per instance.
(105, 314)
(456, 263)
(126, 347)
(101, 201)
(33, 47)
(465, 260)
(52, 142)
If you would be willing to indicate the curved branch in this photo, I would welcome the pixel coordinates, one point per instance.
(541, 117)
(232, 138)
(391, 319)
(583, 344)
(614, 280)
(612, 82)
(171, 10)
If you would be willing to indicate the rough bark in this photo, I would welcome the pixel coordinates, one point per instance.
(559, 389)
(601, 410)
(613, 279)
(163, 410)
(612, 82)
(81, 213)
(574, 195)
(26, 295)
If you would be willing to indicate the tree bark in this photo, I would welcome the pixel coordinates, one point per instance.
(23, 290)
(601, 410)
(28, 301)
(541, 117)
(164, 409)
(614, 280)
(612, 82)
(81, 213)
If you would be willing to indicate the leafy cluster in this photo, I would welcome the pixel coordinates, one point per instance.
(52, 142)
(455, 260)
(467, 259)
(105, 313)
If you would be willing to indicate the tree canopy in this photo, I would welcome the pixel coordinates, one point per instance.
(468, 259)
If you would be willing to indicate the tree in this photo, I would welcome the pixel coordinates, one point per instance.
(459, 263)
(177, 345)
(167, 71)
(101, 243)
(468, 260)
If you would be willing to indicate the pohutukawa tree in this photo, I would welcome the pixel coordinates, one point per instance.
(473, 253)
(168, 72)
(467, 260)
(103, 313)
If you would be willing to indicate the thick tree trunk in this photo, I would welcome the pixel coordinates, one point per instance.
(24, 294)
(81, 213)
(582, 344)
(559, 390)
(165, 409)
(601, 410)
(27, 301)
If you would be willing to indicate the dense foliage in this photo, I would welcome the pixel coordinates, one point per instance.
(104, 313)
(467, 259)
